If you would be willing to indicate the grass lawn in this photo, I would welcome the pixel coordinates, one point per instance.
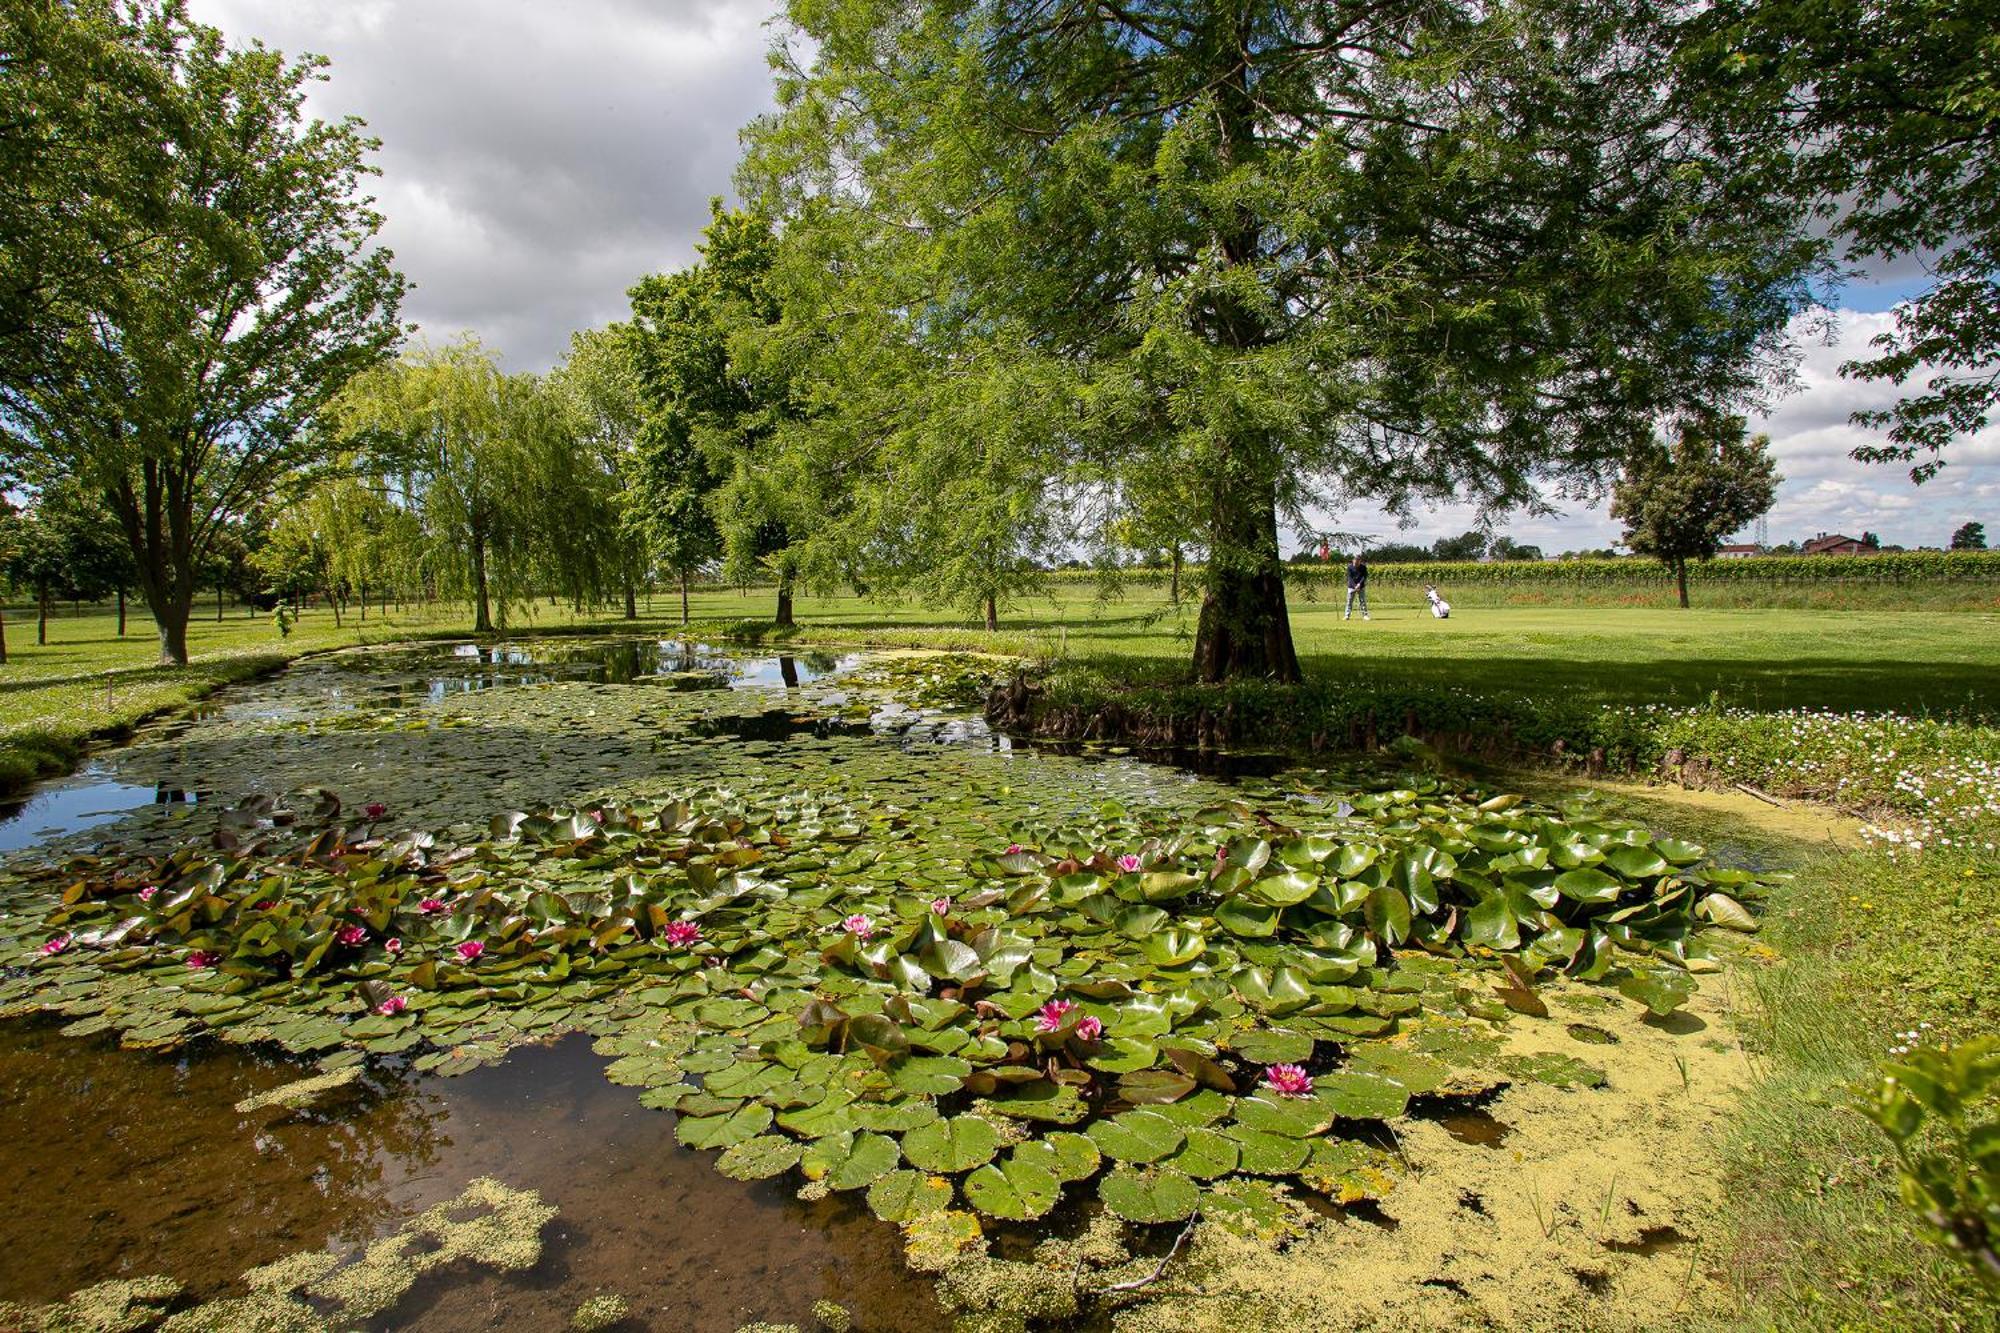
(1912, 661)
(87, 681)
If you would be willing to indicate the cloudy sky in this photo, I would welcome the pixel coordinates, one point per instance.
(539, 157)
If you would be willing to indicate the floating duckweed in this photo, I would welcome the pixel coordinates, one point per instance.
(506, 1236)
(600, 1312)
(1014, 1292)
(119, 1306)
(263, 1312)
(291, 1272)
(832, 1316)
(298, 1095)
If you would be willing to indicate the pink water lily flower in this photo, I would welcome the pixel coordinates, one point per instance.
(470, 950)
(1128, 862)
(394, 944)
(681, 934)
(349, 936)
(1288, 1081)
(941, 906)
(54, 945)
(374, 809)
(1013, 849)
(1089, 1029)
(203, 958)
(146, 892)
(392, 1006)
(859, 926)
(431, 906)
(1053, 1014)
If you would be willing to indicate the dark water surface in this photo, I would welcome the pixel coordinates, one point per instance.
(122, 1164)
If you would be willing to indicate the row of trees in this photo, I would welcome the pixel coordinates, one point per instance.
(1163, 275)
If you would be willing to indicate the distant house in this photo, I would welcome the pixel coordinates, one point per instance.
(1833, 543)
(1741, 551)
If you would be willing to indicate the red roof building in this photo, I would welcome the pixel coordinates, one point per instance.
(1833, 543)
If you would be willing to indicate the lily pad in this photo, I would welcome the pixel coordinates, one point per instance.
(1149, 1195)
(1137, 1136)
(957, 1144)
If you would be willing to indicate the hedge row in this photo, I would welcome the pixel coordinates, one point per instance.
(1897, 567)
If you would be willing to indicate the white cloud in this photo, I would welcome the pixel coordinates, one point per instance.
(1812, 438)
(537, 159)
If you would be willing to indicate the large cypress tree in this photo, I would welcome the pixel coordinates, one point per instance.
(1273, 254)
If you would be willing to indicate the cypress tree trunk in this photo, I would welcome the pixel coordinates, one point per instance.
(121, 618)
(631, 601)
(684, 597)
(1245, 629)
(1681, 579)
(992, 615)
(218, 603)
(1175, 591)
(3, 632)
(42, 617)
(784, 599)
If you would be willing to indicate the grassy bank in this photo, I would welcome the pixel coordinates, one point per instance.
(1865, 950)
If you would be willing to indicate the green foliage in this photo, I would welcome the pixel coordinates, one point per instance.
(1679, 503)
(179, 380)
(1291, 265)
(1969, 537)
(1953, 1186)
(1888, 117)
(841, 1021)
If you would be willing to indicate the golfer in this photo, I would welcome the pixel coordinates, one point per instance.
(1357, 586)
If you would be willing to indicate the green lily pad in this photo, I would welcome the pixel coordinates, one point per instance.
(1064, 1155)
(1264, 1154)
(1141, 1195)
(1137, 1136)
(759, 1158)
(905, 1195)
(1207, 1155)
(957, 1144)
(1016, 1190)
(722, 1131)
(932, 1075)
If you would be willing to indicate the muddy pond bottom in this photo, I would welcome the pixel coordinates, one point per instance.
(121, 1165)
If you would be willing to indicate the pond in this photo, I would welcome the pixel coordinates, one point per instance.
(820, 783)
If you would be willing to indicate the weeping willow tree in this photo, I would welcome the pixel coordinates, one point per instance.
(432, 426)
(1268, 256)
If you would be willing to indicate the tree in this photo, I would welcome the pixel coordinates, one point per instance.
(433, 426)
(82, 85)
(1467, 546)
(716, 400)
(599, 383)
(180, 380)
(1678, 503)
(1969, 537)
(1300, 252)
(1884, 119)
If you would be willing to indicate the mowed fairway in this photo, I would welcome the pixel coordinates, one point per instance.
(1909, 661)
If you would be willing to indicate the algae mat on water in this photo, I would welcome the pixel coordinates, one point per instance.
(963, 1000)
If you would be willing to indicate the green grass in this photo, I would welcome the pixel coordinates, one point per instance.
(1912, 661)
(87, 682)
(1869, 949)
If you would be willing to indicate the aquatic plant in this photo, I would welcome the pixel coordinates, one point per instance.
(1232, 1012)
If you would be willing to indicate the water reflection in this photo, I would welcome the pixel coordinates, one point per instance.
(121, 1164)
(89, 798)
